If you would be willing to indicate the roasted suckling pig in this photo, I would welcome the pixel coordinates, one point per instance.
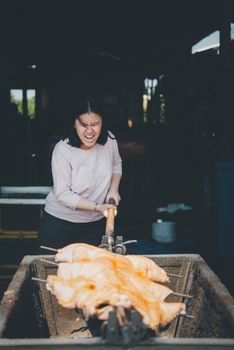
(97, 281)
(83, 252)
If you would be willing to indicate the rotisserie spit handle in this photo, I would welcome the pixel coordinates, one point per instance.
(110, 220)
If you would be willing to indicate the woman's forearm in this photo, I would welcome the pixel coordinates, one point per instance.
(85, 204)
(113, 191)
(115, 181)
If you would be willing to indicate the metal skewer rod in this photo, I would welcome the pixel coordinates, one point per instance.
(130, 241)
(173, 275)
(188, 316)
(49, 262)
(39, 280)
(182, 295)
(48, 248)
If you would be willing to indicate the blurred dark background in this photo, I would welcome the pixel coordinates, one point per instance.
(179, 150)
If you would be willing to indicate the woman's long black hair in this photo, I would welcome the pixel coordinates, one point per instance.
(88, 105)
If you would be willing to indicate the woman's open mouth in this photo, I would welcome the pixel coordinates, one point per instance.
(89, 139)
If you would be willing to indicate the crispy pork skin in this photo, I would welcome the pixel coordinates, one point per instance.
(149, 268)
(98, 300)
(114, 271)
(83, 252)
(98, 281)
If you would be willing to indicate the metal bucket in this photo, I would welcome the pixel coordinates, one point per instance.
(164, 231)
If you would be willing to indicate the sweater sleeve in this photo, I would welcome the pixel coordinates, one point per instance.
(61, 172)
(117, 161)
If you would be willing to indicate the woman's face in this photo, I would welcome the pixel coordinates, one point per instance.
(88, 127)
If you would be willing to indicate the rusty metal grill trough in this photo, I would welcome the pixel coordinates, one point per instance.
(30, 317)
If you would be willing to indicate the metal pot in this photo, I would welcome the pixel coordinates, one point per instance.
(164, 231)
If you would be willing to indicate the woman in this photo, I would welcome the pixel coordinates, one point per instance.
(86, 170)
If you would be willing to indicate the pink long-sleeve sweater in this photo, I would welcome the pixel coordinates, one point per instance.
(81, 173)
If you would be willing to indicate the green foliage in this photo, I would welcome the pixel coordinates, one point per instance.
(31, 108)
(18, 103)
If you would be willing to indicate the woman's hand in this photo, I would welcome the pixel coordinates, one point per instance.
(103, 208)
(115, 195)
